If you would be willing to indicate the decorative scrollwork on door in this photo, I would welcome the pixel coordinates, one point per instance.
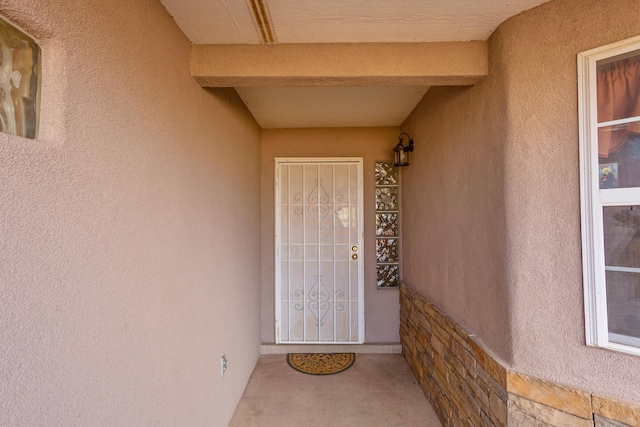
(318, 204)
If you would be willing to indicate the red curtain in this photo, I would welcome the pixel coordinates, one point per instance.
(618, 98)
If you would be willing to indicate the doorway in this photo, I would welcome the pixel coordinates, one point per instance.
(319, 254)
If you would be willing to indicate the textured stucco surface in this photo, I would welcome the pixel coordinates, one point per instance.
(502, 158)
(128, 255)
(373, 144)
(543, 220)
(453, 208)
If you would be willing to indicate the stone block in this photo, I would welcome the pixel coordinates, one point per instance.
(518, 419)
(480, 397)
(470, 365)
(458, 396)
(441, 333)
(462, 341)
(439, 376)
(437, 345)
(616, 410)
(489, 363)
(422, 339)
(456, 364)
(486, 421)
(567, 399)
(458, 350)
(545, 414)
(606, 422)
(445, 406)
(417, 369)
(492, 384)
(430, 310)
(483, 385)
(474, 413)
(425, 328)
(497, 410)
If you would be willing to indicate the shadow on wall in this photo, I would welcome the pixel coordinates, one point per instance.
(453, 209)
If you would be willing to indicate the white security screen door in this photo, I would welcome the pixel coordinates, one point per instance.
(319, 263)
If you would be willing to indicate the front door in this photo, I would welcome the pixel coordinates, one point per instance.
(319, 254)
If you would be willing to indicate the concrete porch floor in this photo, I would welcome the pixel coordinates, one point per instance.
(378, 390)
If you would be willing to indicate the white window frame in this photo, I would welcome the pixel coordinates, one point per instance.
(593, 199)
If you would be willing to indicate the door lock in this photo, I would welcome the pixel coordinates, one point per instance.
(354, 256)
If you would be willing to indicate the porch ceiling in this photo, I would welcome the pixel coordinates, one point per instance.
(271, 22)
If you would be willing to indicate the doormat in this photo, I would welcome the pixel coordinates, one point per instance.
(321, 363)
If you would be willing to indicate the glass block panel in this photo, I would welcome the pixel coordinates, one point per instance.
(386, 173)
(387, 207)
(387, 225)
(388, 275)
(387, 250)
(19, 82)
(387, 199)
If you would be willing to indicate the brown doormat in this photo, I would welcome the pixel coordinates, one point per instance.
(321, 363)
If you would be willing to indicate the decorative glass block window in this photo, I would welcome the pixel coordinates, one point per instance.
(609, 94)
(387, 232)
(19, 82)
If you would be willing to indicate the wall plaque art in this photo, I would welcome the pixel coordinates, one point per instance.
(20, 58)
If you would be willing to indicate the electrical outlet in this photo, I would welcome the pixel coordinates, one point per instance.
(223, 364)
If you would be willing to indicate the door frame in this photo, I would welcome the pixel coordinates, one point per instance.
(278, 243)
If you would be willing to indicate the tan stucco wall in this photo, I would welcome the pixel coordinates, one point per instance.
(545, 269)
(453, 208)
(507, 201)
(372, 144)
(128, 256)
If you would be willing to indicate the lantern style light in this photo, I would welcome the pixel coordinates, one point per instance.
(402, 151)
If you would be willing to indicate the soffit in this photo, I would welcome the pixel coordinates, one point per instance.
(255, 22)
(315, 107)
(339, 21)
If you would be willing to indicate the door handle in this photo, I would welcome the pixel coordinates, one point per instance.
(354, 257)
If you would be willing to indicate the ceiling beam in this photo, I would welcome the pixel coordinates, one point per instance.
(340, 64)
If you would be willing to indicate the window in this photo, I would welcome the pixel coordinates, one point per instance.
(609, 101)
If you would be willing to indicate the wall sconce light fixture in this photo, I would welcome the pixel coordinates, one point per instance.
(402, 151)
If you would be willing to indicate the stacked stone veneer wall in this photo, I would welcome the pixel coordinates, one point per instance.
(467, 386)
